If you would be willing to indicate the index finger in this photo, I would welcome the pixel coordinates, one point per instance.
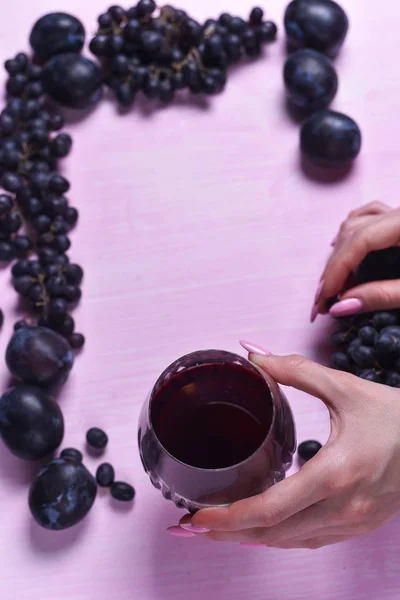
(270, 508)
(382, 233)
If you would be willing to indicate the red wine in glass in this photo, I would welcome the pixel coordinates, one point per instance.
(215, 429)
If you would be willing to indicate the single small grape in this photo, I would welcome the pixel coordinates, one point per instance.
(256, 15)
(97, 438)
(73, 453)
(363, 356)
(368, 335)
(61, 145)
(76, 341)
(370, 375)
(307, 450)
(384, 319)
(392, 379)
(122, 491)
(340, 361)
(387, 344)
(105, 475)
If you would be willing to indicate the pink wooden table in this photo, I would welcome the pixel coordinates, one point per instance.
(198, 227)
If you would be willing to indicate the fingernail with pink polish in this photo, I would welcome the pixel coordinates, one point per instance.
(254, 349)
(318, 292)
(193, 528)
(252, 545)
(333, 242)
(347, 307)
(179, 532)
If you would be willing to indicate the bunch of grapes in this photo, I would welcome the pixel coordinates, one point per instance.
(160, 52)
(30, 149)
(368, 345)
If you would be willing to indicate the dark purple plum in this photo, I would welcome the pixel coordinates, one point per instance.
(31, 422)
(330, 139)
(56, 33)
(318, 24)
(310, 79)
(39, 356)
(62, 494)
(72, 80)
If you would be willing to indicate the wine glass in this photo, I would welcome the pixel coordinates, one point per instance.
(215, 429)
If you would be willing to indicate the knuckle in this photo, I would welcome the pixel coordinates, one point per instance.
(272, 515)
(361, 510)
(295, 362)
(341, 477)
(387, 295)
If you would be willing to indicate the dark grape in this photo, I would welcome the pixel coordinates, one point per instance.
(307, 450)
(392, 379)
(145, 7)
(105, 475)
(61, 145)
(7, 251)
(387, 344)
(256, 16)
(76, 341)
(74, 273)
(62, 494)
(363, 356)
(97, 438)
(340, 338)
(384, 319)
(31, 422)
(72, 453)
(39, 356)
(122, 491)
(340, 361)
(368, 335)
(6, 204)
(370, 375)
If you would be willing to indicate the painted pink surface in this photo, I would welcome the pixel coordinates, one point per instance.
(199, 228)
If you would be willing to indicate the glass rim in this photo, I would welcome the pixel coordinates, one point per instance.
(235, 355)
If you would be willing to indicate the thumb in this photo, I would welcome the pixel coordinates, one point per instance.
(378, 295)
(305, 375)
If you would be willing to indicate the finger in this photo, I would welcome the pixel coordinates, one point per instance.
(372, 208)
(305, 375)
(382, 233)
(270, 508)
(315, 543)
(303, 524)
(380, 295)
